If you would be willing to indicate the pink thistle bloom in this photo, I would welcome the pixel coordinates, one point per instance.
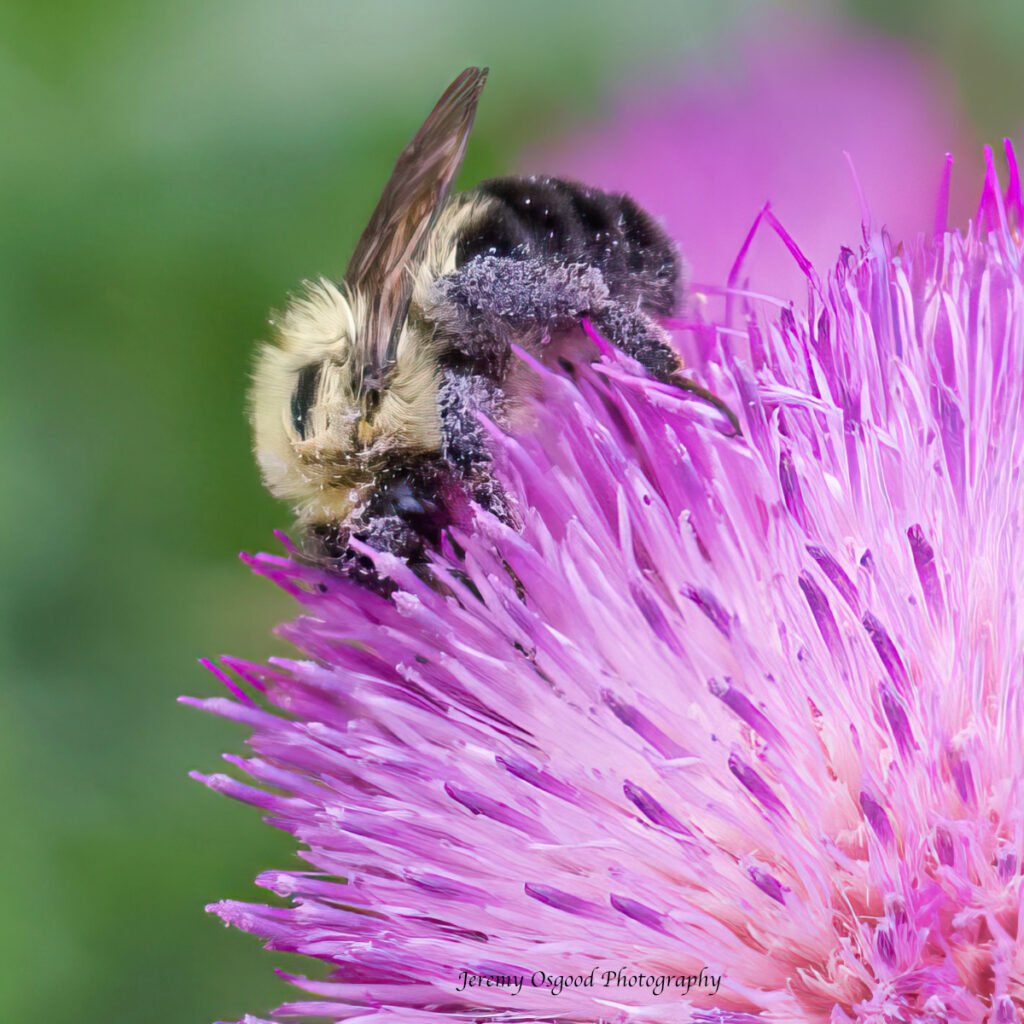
(744, 711)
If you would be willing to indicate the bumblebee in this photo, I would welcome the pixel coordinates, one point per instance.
(366, 410)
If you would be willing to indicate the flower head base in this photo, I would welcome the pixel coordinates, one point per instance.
(748, 705)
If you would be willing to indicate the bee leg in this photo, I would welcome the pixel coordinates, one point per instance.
(637, 335)
(464, 399)
(492, 301)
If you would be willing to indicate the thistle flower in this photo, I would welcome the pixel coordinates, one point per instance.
(745, 709)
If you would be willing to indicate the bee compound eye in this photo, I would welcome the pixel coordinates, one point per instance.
(303, 396)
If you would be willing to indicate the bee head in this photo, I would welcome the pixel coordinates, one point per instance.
(322, 422)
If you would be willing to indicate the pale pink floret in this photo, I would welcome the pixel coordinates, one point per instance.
(759, 710)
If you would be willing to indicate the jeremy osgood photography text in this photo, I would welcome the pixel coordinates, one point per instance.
(598, 977)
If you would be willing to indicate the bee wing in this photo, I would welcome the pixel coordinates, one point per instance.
(382, 266)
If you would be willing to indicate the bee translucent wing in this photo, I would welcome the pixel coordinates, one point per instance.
(394, 241)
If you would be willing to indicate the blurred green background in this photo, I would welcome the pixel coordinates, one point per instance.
(169, 172)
